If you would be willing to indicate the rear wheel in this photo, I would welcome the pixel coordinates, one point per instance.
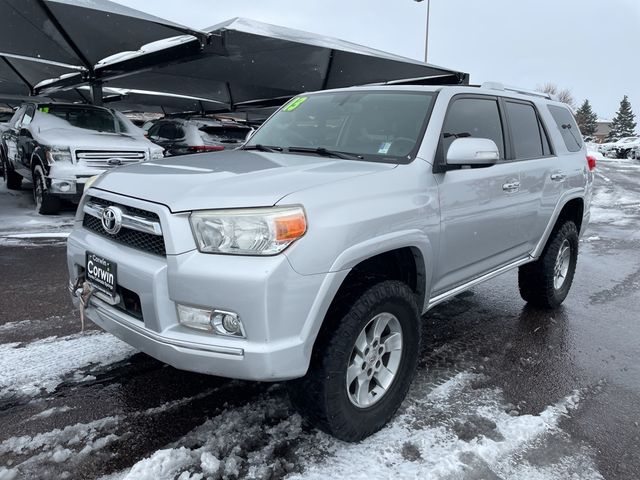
(361, 372)
(46, 204)
(546, 282)
(11, 178)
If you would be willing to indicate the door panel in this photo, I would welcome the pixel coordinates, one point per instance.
(481, 226)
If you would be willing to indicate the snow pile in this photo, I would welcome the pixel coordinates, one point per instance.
(255, 441)
(19, 217)
(59, 450)
(456, 430)
(50, 412)
(28, 369)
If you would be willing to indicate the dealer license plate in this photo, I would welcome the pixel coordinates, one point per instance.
(101, 273)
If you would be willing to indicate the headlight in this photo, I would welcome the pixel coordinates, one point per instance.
(251, 231)
(157, 154)
(58, 154)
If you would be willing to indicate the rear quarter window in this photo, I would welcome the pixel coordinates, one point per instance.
(567, 126)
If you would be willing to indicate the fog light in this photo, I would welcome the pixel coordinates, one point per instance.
(62, 186)
(221, 322)
(227, 323)
(195, 317)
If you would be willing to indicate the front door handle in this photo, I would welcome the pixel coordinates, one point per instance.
(558, 177)
(511, 187)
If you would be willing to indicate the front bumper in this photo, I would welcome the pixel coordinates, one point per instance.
(280, 309)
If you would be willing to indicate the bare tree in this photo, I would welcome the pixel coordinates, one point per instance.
(563, 95)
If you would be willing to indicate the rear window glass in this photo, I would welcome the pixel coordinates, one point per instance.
(167, 131)
(525, 131)
(567, 126)
(224, 134)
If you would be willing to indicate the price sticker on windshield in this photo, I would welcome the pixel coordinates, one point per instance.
(295, 103)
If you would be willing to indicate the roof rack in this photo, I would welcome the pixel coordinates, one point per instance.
(523, 91)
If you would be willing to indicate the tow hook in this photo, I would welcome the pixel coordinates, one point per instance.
(83, 291)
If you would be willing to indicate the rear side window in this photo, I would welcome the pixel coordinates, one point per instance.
(224, 134)
(567, 126)
(168, 131)
(527, 135)
(473, 117)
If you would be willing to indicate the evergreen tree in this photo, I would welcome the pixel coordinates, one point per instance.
(624, 124)
(587, 119)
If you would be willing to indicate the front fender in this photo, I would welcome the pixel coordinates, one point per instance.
(414, 239)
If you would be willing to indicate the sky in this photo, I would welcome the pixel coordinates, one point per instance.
(588, 46)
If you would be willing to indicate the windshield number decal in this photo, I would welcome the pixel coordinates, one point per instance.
(295, 103)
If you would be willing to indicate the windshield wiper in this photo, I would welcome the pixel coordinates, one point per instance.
(263, 148)
(326, 152)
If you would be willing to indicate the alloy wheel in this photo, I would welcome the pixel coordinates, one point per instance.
(375, 360)
(561, 267)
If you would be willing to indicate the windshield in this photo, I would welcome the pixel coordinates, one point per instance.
(88, 118)
(374, 125)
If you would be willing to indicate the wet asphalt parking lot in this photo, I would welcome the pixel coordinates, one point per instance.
(503, 391)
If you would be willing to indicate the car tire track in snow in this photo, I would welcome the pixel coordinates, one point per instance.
(28, 369)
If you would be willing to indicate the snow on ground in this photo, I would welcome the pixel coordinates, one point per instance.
(58, 449)
(612, 204)
(43, 364)
(21, 224)
(458, 429)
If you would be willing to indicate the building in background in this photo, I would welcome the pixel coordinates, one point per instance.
(604, 127)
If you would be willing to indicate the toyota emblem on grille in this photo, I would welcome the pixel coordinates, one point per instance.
(112, 220)
(114, 162)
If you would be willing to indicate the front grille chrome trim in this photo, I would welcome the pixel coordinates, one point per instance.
(132, 222)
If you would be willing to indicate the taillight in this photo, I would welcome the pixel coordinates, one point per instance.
(591, 162)
(205, 148)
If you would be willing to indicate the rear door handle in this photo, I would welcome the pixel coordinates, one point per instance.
(510, 187)
(558, 177)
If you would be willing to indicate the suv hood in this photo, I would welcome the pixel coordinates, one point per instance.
(81, 139)
(229, 179)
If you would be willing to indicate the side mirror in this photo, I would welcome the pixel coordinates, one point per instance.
(473, 151)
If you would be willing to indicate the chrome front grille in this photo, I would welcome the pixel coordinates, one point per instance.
(140, 229)
(109, 159)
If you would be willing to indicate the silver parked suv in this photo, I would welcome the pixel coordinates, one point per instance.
(311, 253)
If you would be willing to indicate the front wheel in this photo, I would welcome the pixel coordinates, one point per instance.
(361, 371)
(46, 204)
(546, 282)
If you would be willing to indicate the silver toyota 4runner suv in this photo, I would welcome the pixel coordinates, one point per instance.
(310, 253)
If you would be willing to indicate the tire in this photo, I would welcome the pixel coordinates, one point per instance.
(46, 203)
(323, 396)
(539, 285)
(11, 178)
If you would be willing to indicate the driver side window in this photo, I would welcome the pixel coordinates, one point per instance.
(473, 117)
(28, 116)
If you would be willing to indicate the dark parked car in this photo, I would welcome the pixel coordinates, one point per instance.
(58, 146)
(181, 136)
